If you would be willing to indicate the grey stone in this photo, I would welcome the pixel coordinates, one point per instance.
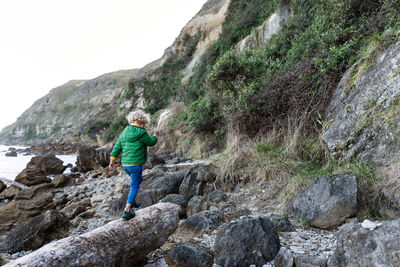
(358, 246)
(309, 261)
(187, 254)
(217, 196)
(180, 200)
(195, 205)
(11, 154)
(281, 223)
(363, 116)
(36, 232)
(249, 240)
(284, 258)
(328, 201)
(195, 181)
(203, 221)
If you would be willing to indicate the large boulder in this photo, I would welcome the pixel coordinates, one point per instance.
(153, 160)
(358, 246)
(90, 158)
(50, 164)
(363, 116)
(32, 177)
(36, 232)
(187, 254)
(26, 204)
(156, 187)
(328, 201)
(246, 241)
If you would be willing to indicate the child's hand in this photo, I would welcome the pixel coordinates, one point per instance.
(156, 132)
(111, 166)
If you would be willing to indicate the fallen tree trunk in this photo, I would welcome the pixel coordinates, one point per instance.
(14, 183)
(118, 243)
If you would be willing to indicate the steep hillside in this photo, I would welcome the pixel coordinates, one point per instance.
(72, 109)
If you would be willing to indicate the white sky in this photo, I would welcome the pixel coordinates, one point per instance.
(45, 43)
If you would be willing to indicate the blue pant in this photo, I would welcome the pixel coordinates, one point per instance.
(135, 172)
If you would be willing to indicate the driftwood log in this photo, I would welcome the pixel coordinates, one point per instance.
(14, 183)
(118, 243)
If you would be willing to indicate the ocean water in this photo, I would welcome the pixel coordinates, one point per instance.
(10, 167)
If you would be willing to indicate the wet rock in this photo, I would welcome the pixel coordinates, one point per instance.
(2, 186)
(203, 221)
(62, 180)
(187, 254)
(284, 258)
(328, 201)
(195, 205)
(9, 192)
(11, 154)
(309, 261)
(249, 240)
(36, 232)
(281, 223)
(180, 200)
(50, 164)
(358, 246)
(32, 177)
(90, 158)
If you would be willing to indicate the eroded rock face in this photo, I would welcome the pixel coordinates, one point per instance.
(49, 164)
(249, 240)
(264, 32)
(187, 254)
(363, 116)
(32, 176)
(358, 246)
(328, 201)
(36, 232)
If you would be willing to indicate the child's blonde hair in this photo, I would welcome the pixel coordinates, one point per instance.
(138, 116)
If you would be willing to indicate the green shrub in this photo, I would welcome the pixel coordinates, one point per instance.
(180, 118)
(203, 114)
(117, 125)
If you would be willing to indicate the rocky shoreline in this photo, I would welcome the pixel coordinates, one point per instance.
(81, 202)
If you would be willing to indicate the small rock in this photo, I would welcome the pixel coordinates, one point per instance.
(370, 225)
(195, 205)
(9, 192)
(2, 186)
(284, 258)
(188, 254)
(309, 261)
(11, 154)
(180, 200)
(32, 177)
(203, 221)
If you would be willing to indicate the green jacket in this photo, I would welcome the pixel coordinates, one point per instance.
(133, 143)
